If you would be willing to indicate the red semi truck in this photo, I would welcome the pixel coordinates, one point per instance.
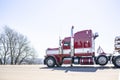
(79, 48)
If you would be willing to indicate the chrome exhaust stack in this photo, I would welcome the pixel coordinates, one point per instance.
(72, 45)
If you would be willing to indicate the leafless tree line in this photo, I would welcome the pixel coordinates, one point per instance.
(15, 48)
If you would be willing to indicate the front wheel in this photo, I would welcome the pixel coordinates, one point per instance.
(116, 61)
(50, 62)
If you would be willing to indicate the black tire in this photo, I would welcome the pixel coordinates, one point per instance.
(116, 61)
(50, 62)
(102, 60)
(113, 58)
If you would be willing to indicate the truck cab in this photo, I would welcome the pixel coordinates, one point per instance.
(79, 48)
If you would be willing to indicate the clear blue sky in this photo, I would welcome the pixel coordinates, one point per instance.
(43, 21)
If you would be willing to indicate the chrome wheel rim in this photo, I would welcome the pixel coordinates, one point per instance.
(102, 60)
(118, 61)
(50, 62)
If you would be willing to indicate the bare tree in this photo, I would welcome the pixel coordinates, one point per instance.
(4, 50)
(15, 47)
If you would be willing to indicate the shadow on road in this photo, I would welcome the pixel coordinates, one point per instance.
(80, 68)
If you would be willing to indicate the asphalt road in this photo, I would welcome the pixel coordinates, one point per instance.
(41, 72)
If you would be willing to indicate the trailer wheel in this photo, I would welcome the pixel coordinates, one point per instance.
(50, 62)
(102, 60)
(116, 61)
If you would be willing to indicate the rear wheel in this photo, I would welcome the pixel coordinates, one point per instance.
(50, 62)
(102, 60)
(116, 61)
